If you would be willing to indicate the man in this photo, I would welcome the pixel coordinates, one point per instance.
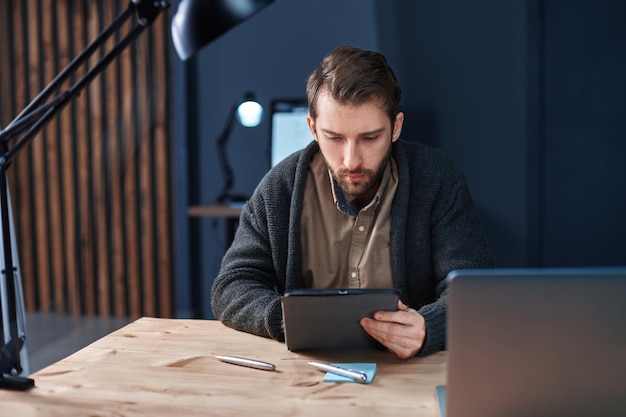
(356, 208)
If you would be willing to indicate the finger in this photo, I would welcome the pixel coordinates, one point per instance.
(399, 324)
(390, 333)
(392, 336)
(401, 316)
(390, 316)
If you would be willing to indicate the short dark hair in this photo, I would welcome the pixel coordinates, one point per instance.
(355, 76)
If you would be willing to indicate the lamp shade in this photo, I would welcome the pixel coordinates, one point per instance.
(250, 113)
(199, 22)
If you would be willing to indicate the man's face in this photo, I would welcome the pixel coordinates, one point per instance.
(356, 144)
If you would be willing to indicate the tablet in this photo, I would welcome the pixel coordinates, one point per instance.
(329, 319)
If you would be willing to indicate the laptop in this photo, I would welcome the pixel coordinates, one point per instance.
(328, 319)
(536, 342)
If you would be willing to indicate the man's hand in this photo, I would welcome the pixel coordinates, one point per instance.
(402, 331)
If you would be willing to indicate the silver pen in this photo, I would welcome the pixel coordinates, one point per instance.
(337, 370)
(250, 363)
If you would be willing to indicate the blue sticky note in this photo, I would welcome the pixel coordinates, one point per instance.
(368, 368)
(441, 396)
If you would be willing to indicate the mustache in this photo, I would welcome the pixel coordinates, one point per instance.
(360, 171)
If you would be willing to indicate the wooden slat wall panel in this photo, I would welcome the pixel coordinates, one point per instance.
(116, 242)
(91, 192)
(68, 179)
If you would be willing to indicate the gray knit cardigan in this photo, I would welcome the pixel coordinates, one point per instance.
(435, 228)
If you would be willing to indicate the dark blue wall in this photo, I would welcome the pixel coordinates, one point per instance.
(583, 194)
(463, 68)
(487, 81)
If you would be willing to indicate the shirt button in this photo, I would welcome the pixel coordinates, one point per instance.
(361, 228)
(353, 275)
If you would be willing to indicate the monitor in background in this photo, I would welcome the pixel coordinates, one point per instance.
(290, 131)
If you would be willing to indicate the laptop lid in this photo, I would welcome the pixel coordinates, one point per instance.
(329, 319)
(536, 342)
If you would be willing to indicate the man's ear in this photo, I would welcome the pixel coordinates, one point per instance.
(397, 126)
(311, 123)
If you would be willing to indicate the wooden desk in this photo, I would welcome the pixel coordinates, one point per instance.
(164, 367)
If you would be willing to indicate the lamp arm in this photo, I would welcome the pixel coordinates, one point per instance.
(10, 364)
(147, 11)
(222, 141)
(25, 121)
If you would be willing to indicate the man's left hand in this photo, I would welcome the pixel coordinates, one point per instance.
(402, 331)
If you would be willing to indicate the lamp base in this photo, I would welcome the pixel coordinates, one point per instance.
(16, 383)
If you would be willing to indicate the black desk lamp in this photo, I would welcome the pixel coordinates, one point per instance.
(248, 113)
(196, 23)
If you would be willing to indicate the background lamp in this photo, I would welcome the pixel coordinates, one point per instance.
(248, 112)
(197, 23)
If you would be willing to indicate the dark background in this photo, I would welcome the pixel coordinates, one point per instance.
(528, 96)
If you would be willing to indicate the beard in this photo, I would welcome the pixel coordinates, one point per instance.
(370, 178)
